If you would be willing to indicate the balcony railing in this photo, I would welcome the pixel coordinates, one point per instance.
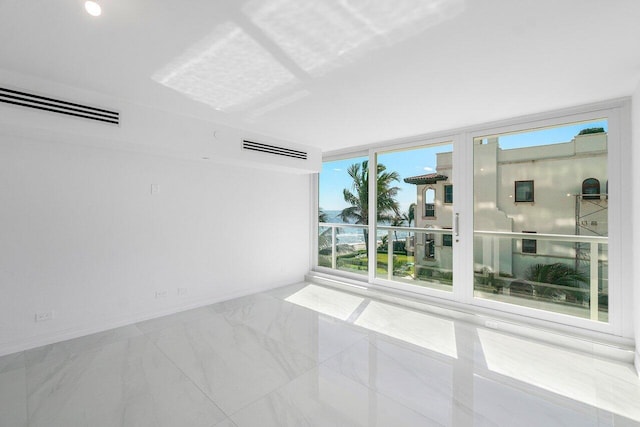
(500, 268)
(412, 234)
(567, 249)
(338, 237)
(336, 247)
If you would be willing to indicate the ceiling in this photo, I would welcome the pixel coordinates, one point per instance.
(332, 73)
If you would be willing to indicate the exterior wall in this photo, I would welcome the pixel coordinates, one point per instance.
(553, 209)
(556, 208)
(443, 218)
(487, 212)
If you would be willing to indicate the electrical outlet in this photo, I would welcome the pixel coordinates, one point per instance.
(162, 294)
(183, 291)
(43, 316)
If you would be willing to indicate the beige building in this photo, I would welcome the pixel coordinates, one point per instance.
(551, 189)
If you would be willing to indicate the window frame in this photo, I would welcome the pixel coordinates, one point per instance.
(426, 205)
(515, 191)
(529, 241)
(617, 112)
(446, 195)
(594, 183)
(429, 246)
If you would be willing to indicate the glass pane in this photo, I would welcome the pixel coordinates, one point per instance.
(448, 193)
(542, 182)
(343, 215)
(524, 191)
(591, 189)
(414, 243)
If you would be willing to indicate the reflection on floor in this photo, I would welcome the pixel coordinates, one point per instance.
(310, 355)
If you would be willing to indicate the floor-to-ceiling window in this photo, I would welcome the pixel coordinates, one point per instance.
(414, 215)
(521, 225)
(539, 240)
(343, 215)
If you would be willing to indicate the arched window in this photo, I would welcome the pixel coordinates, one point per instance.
(590, 188)
(429, 203)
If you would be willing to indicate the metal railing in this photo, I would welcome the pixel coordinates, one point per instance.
(594, 256)
(594, 242)
(333, 228)
(334, 237)
(415, 230)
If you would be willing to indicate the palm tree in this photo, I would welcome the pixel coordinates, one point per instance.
(558, 274)
(324, 239)
(322, 216)
(410, 215)
(387, 205)
(396, 221)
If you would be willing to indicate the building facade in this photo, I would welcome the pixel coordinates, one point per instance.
(558, 189)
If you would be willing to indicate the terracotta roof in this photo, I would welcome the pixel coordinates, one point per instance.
(430, 178)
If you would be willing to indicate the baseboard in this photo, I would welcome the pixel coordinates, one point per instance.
(59, 336)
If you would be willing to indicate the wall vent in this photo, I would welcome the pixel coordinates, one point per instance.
(38, 102)
(272, 149)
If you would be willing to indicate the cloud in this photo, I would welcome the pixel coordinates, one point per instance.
(337, 170)
(428, 169)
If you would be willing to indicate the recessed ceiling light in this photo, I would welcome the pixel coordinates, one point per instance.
(93, 8)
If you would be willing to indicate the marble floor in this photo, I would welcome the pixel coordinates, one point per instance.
(306, 355)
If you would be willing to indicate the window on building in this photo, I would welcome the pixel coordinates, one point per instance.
(591, 189)
(529, 246)
(429, 210)
(448, 193)
(429, 246)
(348, 240)
(447, 240)
(524, 191)
(429, 202)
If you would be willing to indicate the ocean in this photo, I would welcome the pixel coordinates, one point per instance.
(352, 235)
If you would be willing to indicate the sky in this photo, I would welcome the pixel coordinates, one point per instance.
(334, 177)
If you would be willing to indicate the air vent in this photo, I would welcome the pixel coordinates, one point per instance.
(272, 149)
(57, 106)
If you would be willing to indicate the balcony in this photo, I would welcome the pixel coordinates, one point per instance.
(567, 275)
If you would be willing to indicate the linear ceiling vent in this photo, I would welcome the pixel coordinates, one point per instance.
(272, 149)
(57, 106)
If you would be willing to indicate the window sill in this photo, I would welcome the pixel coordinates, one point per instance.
(595, 343)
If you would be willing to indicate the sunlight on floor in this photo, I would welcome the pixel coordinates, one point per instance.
(330, 302)
(567, 373)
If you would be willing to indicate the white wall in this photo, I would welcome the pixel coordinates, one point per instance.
(82, 235)
(143, 129)
(634, 188)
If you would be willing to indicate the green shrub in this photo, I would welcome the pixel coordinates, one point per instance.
(591, 130)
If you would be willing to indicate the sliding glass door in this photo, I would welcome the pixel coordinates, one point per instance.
(414, 216)
(541, 207)
(343, 216)
(514, 217)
